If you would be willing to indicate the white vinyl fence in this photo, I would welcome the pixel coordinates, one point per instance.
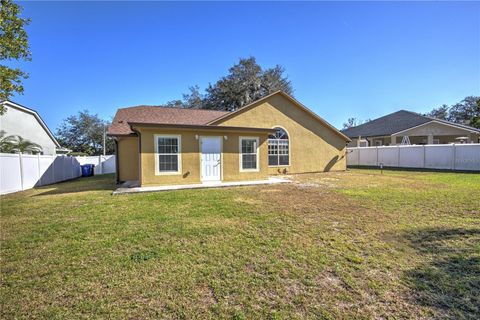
(103, 164)
(22, 171)
(462, 157)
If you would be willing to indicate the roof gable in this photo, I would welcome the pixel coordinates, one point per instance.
(11, 104)
(288, 97)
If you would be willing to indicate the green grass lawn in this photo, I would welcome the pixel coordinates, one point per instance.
(355, 244)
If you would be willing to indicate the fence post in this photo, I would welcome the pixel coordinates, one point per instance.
(454, 156)
(21, 170)
(358, 156)
(376, 154)
(63, 168)
(398, 156)
(53, 168)
(424, 156)
(100, 164)
(39, 176)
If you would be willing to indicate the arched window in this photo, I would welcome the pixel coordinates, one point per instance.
(278, 148)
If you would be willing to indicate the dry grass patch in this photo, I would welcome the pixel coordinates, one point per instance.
(357, 244)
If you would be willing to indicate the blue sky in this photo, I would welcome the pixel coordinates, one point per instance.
(345, 59)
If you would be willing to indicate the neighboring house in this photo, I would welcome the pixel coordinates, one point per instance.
(276, 134)
(27, 123)
(406, 127)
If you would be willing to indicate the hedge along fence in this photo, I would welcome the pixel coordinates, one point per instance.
(23, 171)
(460, 157)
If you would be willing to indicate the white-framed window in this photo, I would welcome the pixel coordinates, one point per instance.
(168, 154)
(249, 158)
(278, 148)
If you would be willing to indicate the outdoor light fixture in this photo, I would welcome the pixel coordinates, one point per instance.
(225, 137)
(196, 137)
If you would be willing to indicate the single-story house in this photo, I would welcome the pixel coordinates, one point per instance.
(406, 127)
(273, 135)
(21, 121)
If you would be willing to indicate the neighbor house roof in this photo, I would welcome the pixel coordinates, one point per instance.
(160, 115)
(394, 123)
(11, 104)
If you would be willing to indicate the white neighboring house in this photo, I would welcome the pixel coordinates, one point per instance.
(27, 123)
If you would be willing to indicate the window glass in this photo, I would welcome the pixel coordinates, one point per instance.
(168, 153)
(249, 153)
(278, 148)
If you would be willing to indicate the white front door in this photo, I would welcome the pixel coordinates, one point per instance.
(211, 163)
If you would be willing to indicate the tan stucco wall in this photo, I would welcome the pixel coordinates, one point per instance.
(127, 151)
(313, 146)
(190, 157)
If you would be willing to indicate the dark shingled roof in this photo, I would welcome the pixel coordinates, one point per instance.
(393, 123)
(160, 115)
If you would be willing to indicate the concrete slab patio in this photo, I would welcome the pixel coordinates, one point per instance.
(132, 187)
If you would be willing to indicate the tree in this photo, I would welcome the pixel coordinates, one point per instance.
(7, 143)
(245, 83)
(466, 111)
(439, 113)
(26, 146)
(194, 99)
(476, 119)
(15, 143)
(13, 46)
(84, 133)
(175, 104)
(353, 122)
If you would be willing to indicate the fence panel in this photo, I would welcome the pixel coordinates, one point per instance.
(369, 157)
(439, 156)
(109, 165)
(388, 156)
(10, 173)
(103, 164)
(47, 175)
(411, 156)
(467, 157)
(29, 171)
(21, 172)
(352, 156)
(434, 156)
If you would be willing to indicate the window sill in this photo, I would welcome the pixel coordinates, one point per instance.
(167, 173)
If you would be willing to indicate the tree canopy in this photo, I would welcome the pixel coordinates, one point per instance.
(17, 144)
(245, 82)
(466, 112)
(84, 133)
(353, 122)
(13, 46)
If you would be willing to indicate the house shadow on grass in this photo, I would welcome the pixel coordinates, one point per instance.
(449, 278)
(104, 182)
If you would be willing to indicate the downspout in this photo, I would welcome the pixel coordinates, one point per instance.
(117, 168)
(139, 154)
